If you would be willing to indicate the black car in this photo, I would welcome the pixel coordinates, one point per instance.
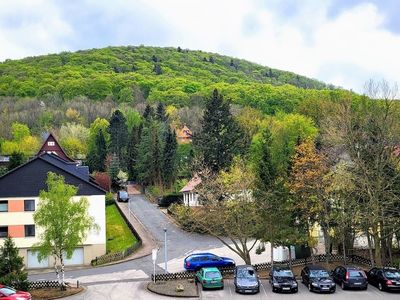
(385, 279)
(282, 280)
(350, 277)
(122, 196)
(246, 280)
(317, 279)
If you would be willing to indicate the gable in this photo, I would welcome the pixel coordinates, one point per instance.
(51, 145)
(30, 179)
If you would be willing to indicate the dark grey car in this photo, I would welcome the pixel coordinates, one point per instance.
(317, 279)
(122, 196)
(246, 280)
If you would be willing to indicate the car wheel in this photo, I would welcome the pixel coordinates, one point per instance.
(343, 286)
(273, 290)
(380, 286)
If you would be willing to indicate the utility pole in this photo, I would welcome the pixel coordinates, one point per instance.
(165, 250)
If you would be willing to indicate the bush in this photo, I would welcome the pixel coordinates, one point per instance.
(167, 200)
(181, 214)
(109, 198)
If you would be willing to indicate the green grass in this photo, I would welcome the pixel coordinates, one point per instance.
(119, 237)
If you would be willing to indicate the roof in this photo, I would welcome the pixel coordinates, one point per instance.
(55, 148)
(190, 186)
(30, 178)
(210, 269)
(185, 132)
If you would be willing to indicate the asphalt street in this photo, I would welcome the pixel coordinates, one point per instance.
(179, 242)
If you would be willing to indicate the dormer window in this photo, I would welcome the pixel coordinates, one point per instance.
(50, 143)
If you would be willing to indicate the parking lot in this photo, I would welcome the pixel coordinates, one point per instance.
(266, 293)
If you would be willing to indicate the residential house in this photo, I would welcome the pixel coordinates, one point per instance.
(19, 199)
(190, 197)
(51, 145)
(184, 135)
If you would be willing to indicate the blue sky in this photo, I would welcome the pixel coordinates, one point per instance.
(344, 42)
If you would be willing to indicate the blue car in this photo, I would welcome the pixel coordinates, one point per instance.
(197, 261)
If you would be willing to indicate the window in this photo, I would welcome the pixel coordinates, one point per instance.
(29, 205)
(29, 230)
(50, 143)
(3, 206)
(3, 232)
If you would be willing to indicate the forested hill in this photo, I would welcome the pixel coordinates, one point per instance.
(170, 75)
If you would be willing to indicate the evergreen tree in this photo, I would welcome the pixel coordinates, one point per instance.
(11, 266)
(16, 159)
(220, 138)
(265, 169)
(98, 153)
(118, 135)
(133, 145)
(148, 112)
(157, 69)
(169, 158)
(161, 114)
(113, 170)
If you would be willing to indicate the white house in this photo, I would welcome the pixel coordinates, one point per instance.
(190, 197)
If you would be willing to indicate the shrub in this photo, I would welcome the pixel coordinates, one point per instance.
(181, 214)
(167, 200)
(109, 198)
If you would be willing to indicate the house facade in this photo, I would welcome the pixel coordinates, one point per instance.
(190, 196)
(19, 199)
(184, 135)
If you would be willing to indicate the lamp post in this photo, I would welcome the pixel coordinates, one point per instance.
(165, 250)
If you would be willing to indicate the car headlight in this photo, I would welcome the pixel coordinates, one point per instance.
(314, 284)
(294, 283)
(276, 284)
(333, 284)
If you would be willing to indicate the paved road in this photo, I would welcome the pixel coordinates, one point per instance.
(179, 242)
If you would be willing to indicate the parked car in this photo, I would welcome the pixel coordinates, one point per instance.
(384, 279)
(317, 279)
(350, 277)
(122, 196)
(209, 278)
(282, 280)
(246, 280)
(197, 261)
(7, 293)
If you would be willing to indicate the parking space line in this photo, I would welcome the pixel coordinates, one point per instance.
(230, 292)
(265, 292)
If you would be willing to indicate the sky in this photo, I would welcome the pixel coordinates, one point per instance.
(342, 42)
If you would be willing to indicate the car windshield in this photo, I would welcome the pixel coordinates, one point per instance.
(356, 274)
(123, 194)
(283, 273)
(319, 273)
(7, 291)
(246, 273)
(392, 274)
(212, 274)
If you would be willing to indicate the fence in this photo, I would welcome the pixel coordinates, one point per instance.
(267, 266)
(43, 284)
(107, 258)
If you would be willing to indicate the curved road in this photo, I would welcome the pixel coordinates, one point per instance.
(179, 243)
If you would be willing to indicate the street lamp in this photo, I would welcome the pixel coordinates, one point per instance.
(165, 250)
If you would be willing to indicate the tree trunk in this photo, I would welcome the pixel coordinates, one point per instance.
(272, 254)
(63, 288)
(344, 248)
(57, 272)
(371, 254)
(290, 257)
(390, 245)
(327, 242)
(377, 244)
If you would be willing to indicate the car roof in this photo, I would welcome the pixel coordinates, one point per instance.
(212, 269)
(351, 268)
(200, 254)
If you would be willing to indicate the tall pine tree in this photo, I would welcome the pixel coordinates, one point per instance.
(160, 113)
(98, 153)
(221, 138)
(148, 113)
(169, 158)
(132, 155)
(118, 135)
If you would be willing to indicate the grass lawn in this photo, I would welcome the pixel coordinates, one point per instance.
(119, 237)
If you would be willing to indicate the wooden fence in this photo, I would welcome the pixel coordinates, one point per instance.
(352, 259)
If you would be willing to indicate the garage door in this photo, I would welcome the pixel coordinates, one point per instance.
(76, 259)
(33, 262)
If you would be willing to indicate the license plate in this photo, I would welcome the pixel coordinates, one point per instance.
(213, 281)
(357, 283)
(325, 288)
(285, 288)
(247, 291)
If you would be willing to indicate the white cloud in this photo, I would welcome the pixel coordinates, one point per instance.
(346, 49)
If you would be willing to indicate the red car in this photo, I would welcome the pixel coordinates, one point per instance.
(7, 293)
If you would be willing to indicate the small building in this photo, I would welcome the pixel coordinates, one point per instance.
(190, 197)
(51, 145)
(4, 161)
(19, 198)
(184, 135)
